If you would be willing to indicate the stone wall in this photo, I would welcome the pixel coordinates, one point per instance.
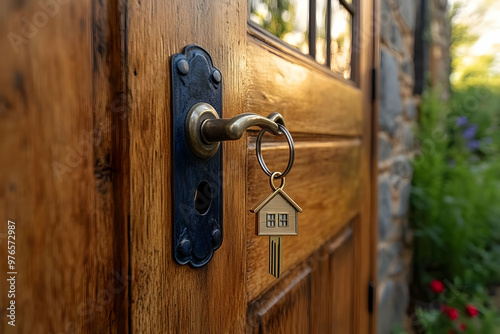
(403, 22)
(398, 112)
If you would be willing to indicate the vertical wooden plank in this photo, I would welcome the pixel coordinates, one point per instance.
(110, 270)
(321, 290)
(365, 227)
(46, 173)
(374, 158)
(167, 297)
(57, 128)
(332, 267)
(342, 290)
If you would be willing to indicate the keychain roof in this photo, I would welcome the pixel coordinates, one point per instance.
(270, 197)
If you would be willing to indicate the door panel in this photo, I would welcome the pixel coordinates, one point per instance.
(324, 182)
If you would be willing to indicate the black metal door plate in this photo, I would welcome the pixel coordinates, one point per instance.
(197, 182)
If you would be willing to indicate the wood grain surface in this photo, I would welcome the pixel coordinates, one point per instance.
(365, 241)
(111, 164)
(309, 100)
(284, 309)
(47, 173)
(62, 108)
(332, 266)
(341, 271)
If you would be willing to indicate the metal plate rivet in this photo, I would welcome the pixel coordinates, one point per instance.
(185, 247)
(216, 76)
(183, 66)
(216, 237)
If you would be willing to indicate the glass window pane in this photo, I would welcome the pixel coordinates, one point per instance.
(286, 19)
(283, 220)
(341, 40)
(270, 220)
(321, 26)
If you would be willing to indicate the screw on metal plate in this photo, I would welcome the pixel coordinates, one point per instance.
(216, 76)
(197, 181)
(183, 66)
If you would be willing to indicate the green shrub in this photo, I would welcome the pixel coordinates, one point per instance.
(456, 189)
(455, 201)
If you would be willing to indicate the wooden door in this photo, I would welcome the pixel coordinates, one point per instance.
(85, 111)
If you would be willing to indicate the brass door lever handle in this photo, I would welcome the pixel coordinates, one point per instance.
(205, 130)
(213, 130)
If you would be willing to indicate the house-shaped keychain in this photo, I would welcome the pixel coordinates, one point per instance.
(276, 216)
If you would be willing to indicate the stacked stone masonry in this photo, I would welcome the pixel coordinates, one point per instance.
(398, 118)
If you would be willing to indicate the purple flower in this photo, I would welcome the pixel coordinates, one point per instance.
(470, 132)
(462, 120)
(473, 144)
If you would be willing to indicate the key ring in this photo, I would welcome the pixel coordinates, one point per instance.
(263, 165)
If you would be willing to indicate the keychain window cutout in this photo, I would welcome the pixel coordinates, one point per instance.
(283, 220)
(271, 220)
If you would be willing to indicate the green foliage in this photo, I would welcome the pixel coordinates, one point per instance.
(455, 202)
(456, 189)
(456, 195)
(277, 23)
(398, 329)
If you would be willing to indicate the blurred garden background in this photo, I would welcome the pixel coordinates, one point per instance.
(454, 208)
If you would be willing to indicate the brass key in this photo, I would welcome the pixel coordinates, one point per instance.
(275, 255)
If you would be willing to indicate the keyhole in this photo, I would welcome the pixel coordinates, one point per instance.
(203, 197)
